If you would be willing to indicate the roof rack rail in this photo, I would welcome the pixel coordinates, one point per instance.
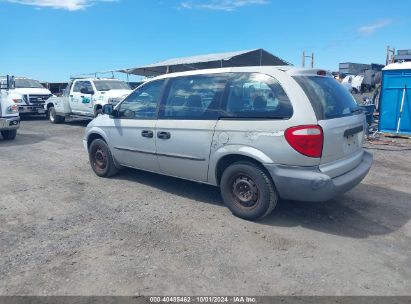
(92, 75)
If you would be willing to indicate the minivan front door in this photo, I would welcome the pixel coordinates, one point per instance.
(186, 125)
(133, 134)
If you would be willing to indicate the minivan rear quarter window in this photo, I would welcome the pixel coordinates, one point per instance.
(328, 98)
(254, 95)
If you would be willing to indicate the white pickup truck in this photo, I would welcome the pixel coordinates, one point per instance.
(28, 94)
(9, 111)
(86, 97)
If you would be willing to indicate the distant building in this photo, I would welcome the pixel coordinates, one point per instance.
(403, 55)
(350, 68)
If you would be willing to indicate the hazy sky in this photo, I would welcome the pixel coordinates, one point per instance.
(53, 39)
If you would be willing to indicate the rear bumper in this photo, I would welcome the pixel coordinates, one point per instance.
(311, 185)
(9, 123)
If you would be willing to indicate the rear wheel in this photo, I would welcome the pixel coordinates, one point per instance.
(101, 159)
(247, 191)
(9, 134)
(98, 111)
(54, 118)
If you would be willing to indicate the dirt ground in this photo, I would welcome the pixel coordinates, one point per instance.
(64, 231)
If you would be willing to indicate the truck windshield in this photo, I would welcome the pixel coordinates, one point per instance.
(328, 98)
(107, 85)
(28, 83)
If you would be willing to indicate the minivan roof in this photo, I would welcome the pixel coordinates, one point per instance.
(292, 71)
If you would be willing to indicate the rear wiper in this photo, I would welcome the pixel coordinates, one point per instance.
(356, 110)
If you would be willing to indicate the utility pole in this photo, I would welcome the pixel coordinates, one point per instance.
(390, 59)
(308, 56)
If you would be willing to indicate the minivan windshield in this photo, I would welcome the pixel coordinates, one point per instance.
(107, 85)
(328, 98)
(28, 83)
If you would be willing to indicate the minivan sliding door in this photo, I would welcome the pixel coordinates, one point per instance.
(186, 124)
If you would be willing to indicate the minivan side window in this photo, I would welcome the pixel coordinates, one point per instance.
(194, 97)
(142, 103)
(254, 95)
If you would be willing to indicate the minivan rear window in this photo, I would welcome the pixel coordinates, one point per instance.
(329, 99)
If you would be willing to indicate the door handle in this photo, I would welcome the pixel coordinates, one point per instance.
(164, 135)
(147, 133)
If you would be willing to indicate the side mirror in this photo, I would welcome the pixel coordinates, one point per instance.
(10, 82)
(108, 109)
(86, 91)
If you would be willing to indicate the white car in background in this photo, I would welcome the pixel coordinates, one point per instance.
(347, 82)
(357, 84)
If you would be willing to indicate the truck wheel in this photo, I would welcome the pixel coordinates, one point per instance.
(101, 159)
(9, 134)
(247, 191)
(54, 118)
(97, 112)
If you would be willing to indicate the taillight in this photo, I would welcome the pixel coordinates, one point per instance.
(321, 73)
(307, 140)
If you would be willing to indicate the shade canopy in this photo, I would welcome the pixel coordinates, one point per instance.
(257, 57)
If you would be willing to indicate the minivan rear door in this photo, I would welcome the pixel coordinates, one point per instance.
(341, 119)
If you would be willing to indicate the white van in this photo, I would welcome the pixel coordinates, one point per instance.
(259, 133)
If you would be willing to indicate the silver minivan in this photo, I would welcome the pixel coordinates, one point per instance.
(259, 133)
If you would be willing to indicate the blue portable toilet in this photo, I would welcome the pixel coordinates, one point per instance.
(395, 100)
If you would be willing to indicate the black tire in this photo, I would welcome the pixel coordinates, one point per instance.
(9, 134)
(101, 159)
(247, 191)
(54, 118)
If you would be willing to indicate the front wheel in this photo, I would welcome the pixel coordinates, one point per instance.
(247, 191)
(54, 118)
(9, 134)
(101, 159)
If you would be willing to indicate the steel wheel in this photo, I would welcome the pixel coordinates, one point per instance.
(248, 191)
(245, 192)
(99, 159)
